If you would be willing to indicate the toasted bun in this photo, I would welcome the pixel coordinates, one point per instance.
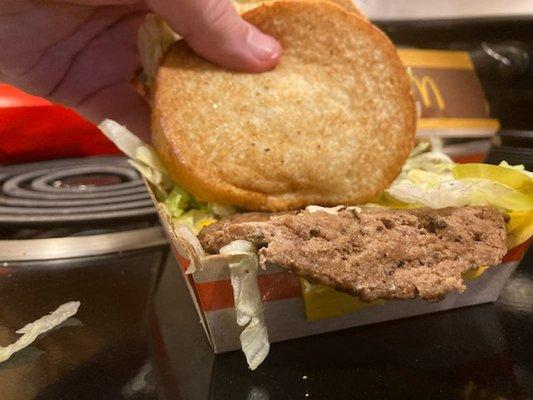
(243, 6)
(331, 124)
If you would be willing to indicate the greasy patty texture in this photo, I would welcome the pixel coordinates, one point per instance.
(388, 254)
(331, 124)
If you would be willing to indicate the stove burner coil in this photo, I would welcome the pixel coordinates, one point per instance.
(105, 188)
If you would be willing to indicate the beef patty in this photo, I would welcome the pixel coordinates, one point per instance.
(373, 253)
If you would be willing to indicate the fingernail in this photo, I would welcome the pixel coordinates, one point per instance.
(262, 47)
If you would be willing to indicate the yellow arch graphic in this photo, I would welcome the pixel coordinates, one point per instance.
(427, 85)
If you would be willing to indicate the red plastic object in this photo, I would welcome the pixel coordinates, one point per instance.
(13, 97)
(33, 129)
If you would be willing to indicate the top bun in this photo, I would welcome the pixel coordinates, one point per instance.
(332, 124)
(246, 5)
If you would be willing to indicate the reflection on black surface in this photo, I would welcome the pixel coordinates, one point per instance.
(93, 355)
(116, 352)
(480, 352)
(141, 384)
(516, 316)
(105, 376)
(441, 356)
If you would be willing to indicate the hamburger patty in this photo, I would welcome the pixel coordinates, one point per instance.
(375, 253)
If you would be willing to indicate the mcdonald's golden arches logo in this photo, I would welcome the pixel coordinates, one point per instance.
(426, 86)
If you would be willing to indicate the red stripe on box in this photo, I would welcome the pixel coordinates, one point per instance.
(182, 261)
(219, 294)
(215, 295)
(517, 253)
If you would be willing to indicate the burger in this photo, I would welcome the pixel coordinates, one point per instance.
(312, 167)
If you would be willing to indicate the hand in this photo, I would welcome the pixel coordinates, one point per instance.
(83, 53)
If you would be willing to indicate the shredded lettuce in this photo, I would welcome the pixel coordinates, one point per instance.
(504, 175)
(42, 325)
(221, 210)
(142, 157)
(180, 205)
(439, 194)
(147, 155)
(431, 179)
(152, 176)
(178, 201)
(329, 210)
(185, 209)
(196, 220)
(430, 161)
(519, 167)
(248, 305)
(126, 141)
(154, 38)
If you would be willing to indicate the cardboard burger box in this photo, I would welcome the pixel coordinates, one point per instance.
(293, 309)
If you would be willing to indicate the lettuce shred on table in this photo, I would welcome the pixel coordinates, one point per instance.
(44, 324)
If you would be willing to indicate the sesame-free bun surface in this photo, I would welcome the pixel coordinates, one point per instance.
(246, 5)
(331, 124)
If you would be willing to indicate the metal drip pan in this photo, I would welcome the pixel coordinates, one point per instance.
(80, 246)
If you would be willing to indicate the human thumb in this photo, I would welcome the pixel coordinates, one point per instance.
(214, 30)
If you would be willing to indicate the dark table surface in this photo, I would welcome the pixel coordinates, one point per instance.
(131, 342)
